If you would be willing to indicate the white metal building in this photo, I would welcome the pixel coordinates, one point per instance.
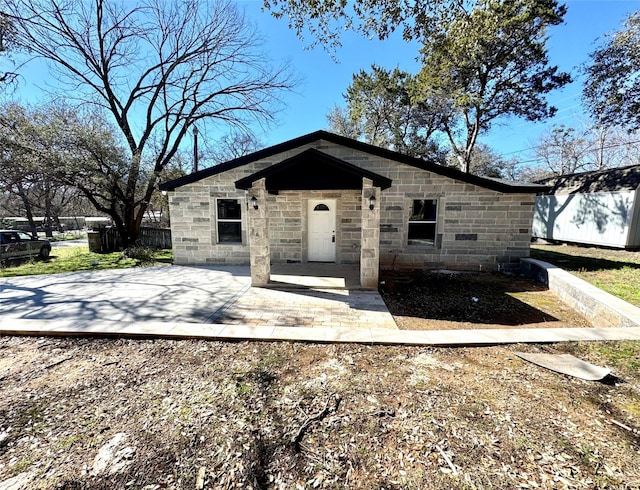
(596, 208)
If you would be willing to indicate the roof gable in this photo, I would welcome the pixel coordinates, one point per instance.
(453, 173)
(313, 170)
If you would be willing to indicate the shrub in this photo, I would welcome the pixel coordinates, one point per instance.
(144, 255)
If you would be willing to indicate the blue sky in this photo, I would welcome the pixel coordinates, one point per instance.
(324, 79)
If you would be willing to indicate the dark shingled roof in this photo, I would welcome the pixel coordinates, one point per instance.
(614, 179)
(453, 173)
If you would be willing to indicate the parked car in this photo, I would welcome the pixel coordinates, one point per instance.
(15, 244)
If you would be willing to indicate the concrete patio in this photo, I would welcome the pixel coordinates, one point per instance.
(317, 303)
(320, 295)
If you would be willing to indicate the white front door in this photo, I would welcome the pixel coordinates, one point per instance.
(322, 230)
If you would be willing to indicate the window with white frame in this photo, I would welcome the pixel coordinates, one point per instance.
(229, 215)
(423, 222)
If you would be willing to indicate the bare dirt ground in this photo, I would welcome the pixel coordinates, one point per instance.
(455, 300)
(156, 414)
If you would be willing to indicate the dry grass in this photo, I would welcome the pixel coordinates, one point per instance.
(224, 415)
(615, 271)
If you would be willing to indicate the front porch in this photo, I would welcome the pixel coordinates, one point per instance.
(312, 295)
(316, 208)
(315, 275)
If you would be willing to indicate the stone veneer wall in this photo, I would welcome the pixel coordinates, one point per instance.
(477, 227)
(288, 225)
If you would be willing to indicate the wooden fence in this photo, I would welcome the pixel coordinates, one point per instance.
(149, 237)
(155, 237)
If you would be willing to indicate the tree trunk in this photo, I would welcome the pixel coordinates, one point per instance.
(462, 161)
(47, 207)
(28, 210)
(121, 229)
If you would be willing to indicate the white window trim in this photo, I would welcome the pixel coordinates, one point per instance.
(435, 222)
(227, 220)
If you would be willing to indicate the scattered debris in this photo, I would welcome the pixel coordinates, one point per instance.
(328, 409)
(57, 363)
(21, 481)
(621, 425)
(112, 458)
(200, 478)
(442, 301)
(447, 460)
(219, 415)
(566, 364)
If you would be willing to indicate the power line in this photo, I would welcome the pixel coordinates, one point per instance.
(605, 147)
(519, 151)
(541, 159)
(576, 94)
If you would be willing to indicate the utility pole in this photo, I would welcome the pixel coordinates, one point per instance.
(195, 148)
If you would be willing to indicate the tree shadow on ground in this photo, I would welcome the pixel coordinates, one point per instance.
(579, 262)
(463, 297)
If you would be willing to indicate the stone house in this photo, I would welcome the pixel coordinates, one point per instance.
(327, 198)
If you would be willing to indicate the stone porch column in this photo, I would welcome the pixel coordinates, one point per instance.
(259, 250)
(370, 236)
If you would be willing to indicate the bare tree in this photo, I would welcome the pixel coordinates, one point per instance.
(613, 146)
(339, 121)
(158, 68)
(485, 162)
(567, 150)
(8, 76)
(564, 150)
(234, 145)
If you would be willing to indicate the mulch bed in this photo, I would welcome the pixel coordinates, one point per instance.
(428, 300)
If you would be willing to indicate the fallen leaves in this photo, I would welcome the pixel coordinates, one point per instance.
(211, 415)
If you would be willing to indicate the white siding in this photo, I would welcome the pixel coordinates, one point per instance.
(602, 218)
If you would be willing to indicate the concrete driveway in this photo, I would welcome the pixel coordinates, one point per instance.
(78, 242)
(164, 293)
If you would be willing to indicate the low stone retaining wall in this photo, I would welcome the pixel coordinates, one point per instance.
(601, 308)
